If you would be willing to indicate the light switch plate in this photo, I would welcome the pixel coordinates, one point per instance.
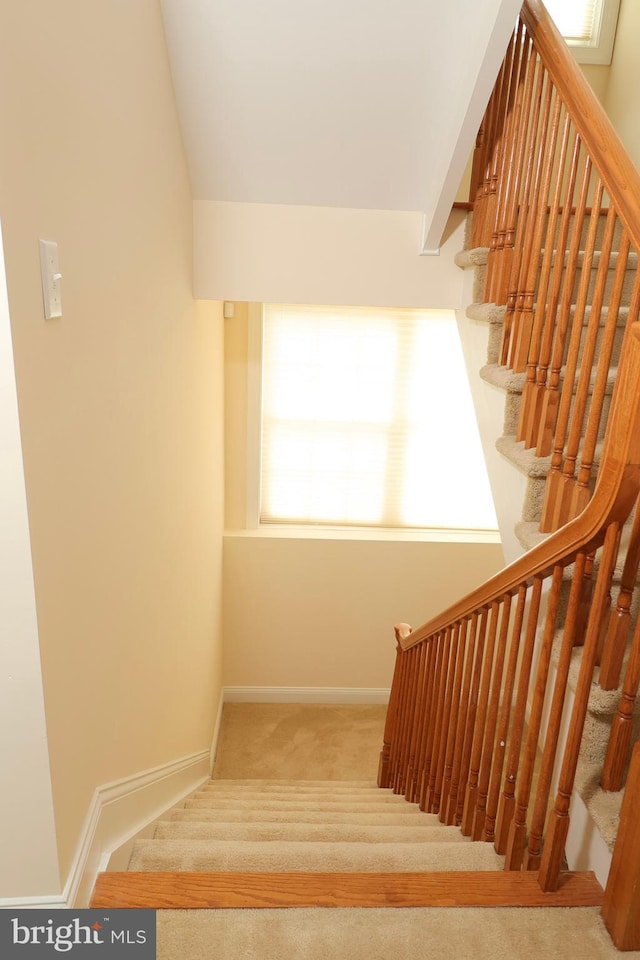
(51, 277)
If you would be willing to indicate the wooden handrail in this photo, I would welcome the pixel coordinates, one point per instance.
(592, 123)
(616, 492)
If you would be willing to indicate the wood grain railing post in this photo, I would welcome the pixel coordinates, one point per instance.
(461, 727)
(452, 726)
(553, 854)
(481, 714)
(504, 720)
(488, 745)
(472, 712)
(621, 908)
(533, 853)
(517, 834)
(622, 723)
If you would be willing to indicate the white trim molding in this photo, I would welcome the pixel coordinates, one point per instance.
(121, 809)
(33, 903)
(348, 695)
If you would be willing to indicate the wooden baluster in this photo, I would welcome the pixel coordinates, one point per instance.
(471, 715)
(406, 722)
(518, 830)
(497, 765)
(417, 721)
(621, 907)
(459, 659)
(417, 690)
(469, 657)
(564, 493)
(620, 618)
(499, 146)
(545, 309)
(434, 786)
(512, 175)
(544, 434)
(553, 853)
(475, 186)
(471, 793)
(489, 742)
(532, 252)
(406, 716)
(434, 714)
(552, 733)
(396, 742)
(568, 412)
(518, 208)
(502, 154)
(622, 724)
(484, 227)
(582, 491)
(526, 218)
(429, 665)
(390, 731)
(507, 804)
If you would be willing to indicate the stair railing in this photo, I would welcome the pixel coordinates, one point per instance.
(556, 203)
(474, 695)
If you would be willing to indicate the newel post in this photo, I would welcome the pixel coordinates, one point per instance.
(621, 908)
(390, 732)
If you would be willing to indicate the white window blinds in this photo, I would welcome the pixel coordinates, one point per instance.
(577, 20)
(367, 420)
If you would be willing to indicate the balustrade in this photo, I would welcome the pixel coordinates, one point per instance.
(481, 729)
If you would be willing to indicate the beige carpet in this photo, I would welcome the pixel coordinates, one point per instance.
(300, 741)
(466, 933)
(317, 744)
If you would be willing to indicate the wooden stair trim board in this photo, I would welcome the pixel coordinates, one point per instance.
(184, 890)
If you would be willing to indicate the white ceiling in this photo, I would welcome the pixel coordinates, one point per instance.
(343, 103)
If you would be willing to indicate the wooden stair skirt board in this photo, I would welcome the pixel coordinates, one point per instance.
(199, 891)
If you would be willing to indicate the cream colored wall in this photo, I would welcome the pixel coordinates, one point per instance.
(292, 254)
(621, 99)
(120, 400)
(318, 610)
(29, 862)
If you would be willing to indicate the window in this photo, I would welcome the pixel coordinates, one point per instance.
(588, 26)
(367, 420)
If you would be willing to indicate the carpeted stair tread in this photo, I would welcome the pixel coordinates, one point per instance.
(309, 832)
(375, 934)
(326, 786)
(248, 815)
(293, 805)
(382, 798)
(240, 855)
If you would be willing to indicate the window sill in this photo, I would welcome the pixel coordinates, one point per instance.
(286, 532)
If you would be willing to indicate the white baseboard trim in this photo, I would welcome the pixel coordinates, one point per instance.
(33, 903)
(121, 809)
(347, 695)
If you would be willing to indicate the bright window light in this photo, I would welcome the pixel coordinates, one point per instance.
(575, 19)
(367, 420)
(588, 26)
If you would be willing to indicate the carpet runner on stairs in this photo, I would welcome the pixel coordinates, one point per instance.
(304, 843)
(399, 841)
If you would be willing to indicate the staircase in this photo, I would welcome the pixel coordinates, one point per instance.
(521, 695)
(264, 845)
